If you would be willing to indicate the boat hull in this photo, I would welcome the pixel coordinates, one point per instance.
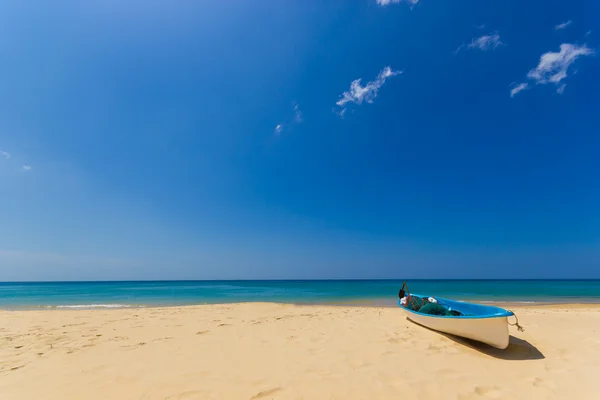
(486, 324)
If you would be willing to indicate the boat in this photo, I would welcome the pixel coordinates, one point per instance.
(483, 323)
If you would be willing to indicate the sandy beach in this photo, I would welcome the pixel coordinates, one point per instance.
(274, 351)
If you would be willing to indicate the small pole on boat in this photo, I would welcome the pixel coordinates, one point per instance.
(402, 292)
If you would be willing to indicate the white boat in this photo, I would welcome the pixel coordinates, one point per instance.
(483, 323)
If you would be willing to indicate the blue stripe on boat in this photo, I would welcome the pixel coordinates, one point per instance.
(474, 310)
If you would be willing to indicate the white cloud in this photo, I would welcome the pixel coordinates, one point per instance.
(5, 155)
(553, 66)
(340, 113)
(563, 25)
(384, 3)
(357, 93)
(297, 114)
(297, 118)
(486, 42)
(462, 46)
(27, 167)
(518, 88)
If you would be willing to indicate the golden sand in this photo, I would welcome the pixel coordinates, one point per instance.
(273, 351)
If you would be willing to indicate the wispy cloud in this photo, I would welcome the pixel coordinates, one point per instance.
(486, 42)
(518, 88)
(358, 93)
(482, 26)
(483, 43)
(553, 66)
(297, 113)
(5, 155)
(561, 88)
(563, 25)
(384, 3)
(296, 119)
(27, 167)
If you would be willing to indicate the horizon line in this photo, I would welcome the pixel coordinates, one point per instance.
(301, 280)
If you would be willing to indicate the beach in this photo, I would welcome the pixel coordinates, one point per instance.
(284, 351)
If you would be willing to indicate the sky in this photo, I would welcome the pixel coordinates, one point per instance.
(299, 139)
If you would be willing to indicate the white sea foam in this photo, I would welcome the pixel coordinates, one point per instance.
(87, 306)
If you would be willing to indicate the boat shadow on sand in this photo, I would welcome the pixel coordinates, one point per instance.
(517, 350)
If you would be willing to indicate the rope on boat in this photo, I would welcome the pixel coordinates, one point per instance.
(519, 327)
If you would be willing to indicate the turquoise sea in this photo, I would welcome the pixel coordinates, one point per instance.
(368, 292)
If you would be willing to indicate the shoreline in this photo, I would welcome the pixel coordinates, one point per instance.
(384, 303)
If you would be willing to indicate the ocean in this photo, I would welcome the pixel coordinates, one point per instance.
(86, 295)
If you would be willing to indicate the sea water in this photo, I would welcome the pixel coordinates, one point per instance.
(84, 295)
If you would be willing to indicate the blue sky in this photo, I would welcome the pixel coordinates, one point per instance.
(203, 140)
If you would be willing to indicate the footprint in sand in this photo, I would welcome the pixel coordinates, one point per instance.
(543, 383)
(492, 392)
(162, 339)
(134, 346)
(265, 393)
(435, 348)
(79, 324)
(481, 391)
(486, 390)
